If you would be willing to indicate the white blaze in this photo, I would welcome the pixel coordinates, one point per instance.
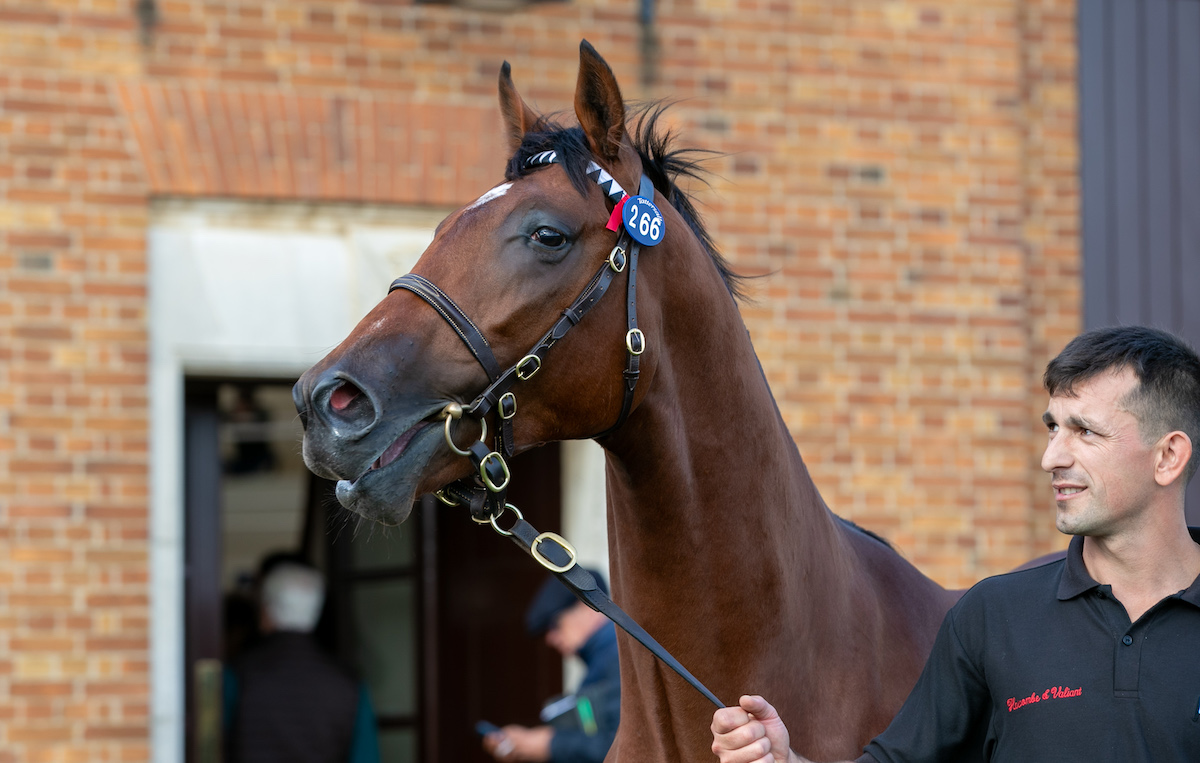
(495, 193)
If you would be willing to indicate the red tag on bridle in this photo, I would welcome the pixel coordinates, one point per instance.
(614, 220)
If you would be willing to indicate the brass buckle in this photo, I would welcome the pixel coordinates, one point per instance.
(455, 411)
(507, 406)
(630, 336)
(487, 481)
(524, 375)
(562, 543)
(441, 496)
(617, 259)
(496, 527)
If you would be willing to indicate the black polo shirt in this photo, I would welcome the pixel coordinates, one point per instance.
(1044, 665)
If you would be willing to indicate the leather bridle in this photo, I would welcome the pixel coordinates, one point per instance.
(485, 492)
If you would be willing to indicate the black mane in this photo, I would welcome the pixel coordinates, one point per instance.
(661, 162)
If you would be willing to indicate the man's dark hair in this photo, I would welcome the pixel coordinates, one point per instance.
(1167, 397)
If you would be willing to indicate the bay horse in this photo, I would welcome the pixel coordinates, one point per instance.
(720, 544)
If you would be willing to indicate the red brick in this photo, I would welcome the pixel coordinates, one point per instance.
(39, 240)
(39, 511)
(38, 196)
(28, 16)
(44, 333)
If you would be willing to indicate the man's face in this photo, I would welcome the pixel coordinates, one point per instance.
(1101, 471)
(571, 629)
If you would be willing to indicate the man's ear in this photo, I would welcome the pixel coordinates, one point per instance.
(1172, 454)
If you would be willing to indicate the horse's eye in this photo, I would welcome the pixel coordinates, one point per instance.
(549, 238)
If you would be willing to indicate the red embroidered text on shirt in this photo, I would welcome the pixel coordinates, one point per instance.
(1054, 692)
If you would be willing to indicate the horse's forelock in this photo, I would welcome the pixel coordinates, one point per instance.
(661, 161)
(568, 142)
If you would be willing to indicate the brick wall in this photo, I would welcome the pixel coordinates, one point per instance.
(1051, 219)
(902, 173)
(74, 677)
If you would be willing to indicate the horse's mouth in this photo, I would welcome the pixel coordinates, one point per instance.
(384, 492)
(393, 451)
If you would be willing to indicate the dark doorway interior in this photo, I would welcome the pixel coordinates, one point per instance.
(428, 613)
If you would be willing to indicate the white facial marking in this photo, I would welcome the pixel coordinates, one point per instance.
(495, 193)
(376, 327)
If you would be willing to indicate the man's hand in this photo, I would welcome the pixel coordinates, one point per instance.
(519, 743)
(751, 733)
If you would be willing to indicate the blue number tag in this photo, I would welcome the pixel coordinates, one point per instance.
(643, 220)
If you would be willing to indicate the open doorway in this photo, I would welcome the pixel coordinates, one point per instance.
(428, 614)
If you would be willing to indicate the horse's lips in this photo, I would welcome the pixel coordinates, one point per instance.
(375, 493)
(394, 450)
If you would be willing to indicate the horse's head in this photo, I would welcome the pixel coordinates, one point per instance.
(498, 275)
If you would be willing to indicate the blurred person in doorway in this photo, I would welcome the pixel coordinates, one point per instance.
(579, 727)
(286, 699)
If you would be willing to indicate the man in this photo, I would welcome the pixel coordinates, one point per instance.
(285, 698)
(1092, 657)
(577, 728)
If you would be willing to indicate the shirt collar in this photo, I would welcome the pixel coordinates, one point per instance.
(1075, 579)
(1192, 593)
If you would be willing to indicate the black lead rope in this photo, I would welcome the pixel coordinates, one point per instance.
(553, 552)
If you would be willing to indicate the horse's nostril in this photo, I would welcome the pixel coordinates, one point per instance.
(339, 404)
(343, 396)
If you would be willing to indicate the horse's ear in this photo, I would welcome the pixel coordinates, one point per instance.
(518, 118)
(598, 104)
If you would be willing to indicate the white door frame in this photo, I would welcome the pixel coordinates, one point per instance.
(249, 289)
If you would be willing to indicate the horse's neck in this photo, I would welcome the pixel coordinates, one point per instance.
(705, 480)
(721, 546)
(719, 542)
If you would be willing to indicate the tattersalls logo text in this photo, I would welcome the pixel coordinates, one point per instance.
(1054, 692)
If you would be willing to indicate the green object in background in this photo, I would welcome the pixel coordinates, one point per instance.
(587, 716)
